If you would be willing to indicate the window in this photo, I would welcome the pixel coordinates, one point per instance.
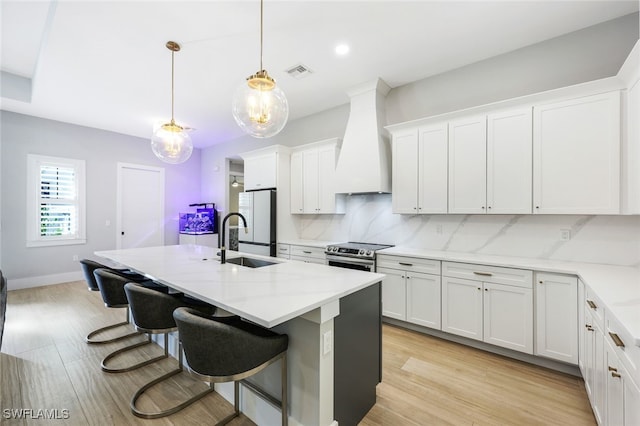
(55, 201)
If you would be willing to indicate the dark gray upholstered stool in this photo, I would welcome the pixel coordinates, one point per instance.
(111, 285)
(88, 267)
(152, 313)
(225, 349)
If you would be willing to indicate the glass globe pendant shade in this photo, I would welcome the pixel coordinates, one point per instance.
(171, 144)
(259, 106)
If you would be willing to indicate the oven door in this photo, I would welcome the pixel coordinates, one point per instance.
(351, 263)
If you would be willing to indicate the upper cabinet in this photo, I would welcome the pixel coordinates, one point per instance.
(576, 155)
(509, 163)
(490, 163)
(557, 152)
(468, 165)
(419, 170)
(263, 168)
(313, 179)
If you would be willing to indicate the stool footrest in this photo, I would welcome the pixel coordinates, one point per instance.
(114, 354)
(171, 410)
(90, 337)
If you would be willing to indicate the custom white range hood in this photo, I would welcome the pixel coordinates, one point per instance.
(363, 164)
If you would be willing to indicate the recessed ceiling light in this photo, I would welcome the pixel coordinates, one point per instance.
(342, 49)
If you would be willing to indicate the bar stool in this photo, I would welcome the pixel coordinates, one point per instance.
(225, 349)
(88, 267)
(152, 313)
(111, 285)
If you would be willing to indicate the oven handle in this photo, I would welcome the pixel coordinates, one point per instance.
(351, 260)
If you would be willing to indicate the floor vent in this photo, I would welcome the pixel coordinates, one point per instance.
(299, 71)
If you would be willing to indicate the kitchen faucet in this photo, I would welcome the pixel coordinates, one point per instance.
(223, 256)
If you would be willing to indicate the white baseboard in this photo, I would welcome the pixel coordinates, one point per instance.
(20, 283)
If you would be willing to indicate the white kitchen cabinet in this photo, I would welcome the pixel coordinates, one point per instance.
(490, 163)
(419, 170)
(557, 317)
(411, 289)
(283, 251)
(509, 162)
(582, 351)
(394, 294)
(313, 179)
(260, 171)
(622, 393)
(576, 155)
(297, 189)
(496, 307)
(307, 254)
(595, 366)
(468, 165)
(462, 307)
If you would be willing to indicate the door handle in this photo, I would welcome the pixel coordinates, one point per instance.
(484, 274)
(616, 339)
(591, 304)
(122, 233)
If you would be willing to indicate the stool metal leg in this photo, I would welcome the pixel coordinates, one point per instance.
(112, 355)
(162, 378)
(90, 337)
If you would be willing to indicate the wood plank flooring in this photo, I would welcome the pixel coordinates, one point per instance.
(45, 364)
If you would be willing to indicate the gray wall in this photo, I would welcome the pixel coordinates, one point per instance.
(589, 54)
(101, 150)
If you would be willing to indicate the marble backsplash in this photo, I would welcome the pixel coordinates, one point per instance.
(595, 239)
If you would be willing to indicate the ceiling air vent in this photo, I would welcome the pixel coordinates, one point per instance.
(299, 71)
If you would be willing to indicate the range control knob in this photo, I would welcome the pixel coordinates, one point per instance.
(361, 252)
(369, 252)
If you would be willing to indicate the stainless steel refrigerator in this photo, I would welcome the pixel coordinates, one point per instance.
(259, 209)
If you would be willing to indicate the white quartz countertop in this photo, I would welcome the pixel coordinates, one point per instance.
(267, 296)
(617, 286)
(308, 243)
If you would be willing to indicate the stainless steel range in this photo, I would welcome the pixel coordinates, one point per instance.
(352, 255)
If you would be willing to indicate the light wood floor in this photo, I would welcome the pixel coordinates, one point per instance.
(45, 364)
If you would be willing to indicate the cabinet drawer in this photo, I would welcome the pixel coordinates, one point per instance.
(624, 345)
(306, 251)
(492, 274)
(307, 259)
(413, 264)
(595, 306)
(283, 250)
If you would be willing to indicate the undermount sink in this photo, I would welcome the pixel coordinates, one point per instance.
(250, 262)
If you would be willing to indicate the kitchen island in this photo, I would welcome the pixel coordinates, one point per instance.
(332, 316)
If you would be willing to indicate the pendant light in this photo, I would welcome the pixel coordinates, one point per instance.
(171, 143)
(235, 183)
(259, 106)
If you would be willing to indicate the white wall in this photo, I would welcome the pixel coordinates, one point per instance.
(589, 54)
(101, 150)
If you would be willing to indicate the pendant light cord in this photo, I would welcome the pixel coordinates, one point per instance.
(172, 56)
(261, 14)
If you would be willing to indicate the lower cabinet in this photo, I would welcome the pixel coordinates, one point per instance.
(494, 313)
(612, 389)
(411, 296)
(411, 289)
(557, 317)
(488, 303)
(307, 254)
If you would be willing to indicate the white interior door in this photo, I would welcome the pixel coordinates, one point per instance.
(140, 206)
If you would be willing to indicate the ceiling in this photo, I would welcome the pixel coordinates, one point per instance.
(104, 64)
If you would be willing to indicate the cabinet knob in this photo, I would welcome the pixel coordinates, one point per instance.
(479, 288)
(482, 207)
(486, 289)
(537, 207)
(540, 282)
